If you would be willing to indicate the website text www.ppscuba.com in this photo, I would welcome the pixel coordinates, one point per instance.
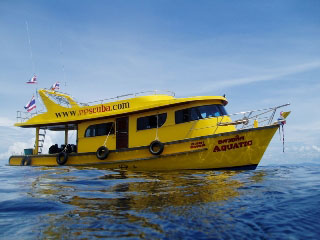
(93, 110)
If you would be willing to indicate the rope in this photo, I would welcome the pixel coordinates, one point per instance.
(282, 138)
(69, 137)
(105, 142)
(157, 127)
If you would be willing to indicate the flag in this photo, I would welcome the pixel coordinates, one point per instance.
(55, 86)
(33, 79)
(31, 105)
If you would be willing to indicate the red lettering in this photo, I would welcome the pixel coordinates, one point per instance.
(227, 147)
(216, 149)
(197, 144)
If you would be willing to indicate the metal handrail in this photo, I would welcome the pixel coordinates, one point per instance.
(244, 121)
(264, 109)
(260, 116)
(125, 96)
(24, 116)
(27, 115)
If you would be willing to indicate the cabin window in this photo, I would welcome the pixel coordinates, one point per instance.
(151, 121)
(100, 129)
(201, 112)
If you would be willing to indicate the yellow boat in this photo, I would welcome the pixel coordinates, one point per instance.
(149, 131)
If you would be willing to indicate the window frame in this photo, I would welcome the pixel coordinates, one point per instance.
(160, 123)
(196, 110)
(95, 128)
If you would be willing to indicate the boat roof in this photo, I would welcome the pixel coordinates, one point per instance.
(63, 110)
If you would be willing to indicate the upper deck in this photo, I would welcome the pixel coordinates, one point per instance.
(63, 109)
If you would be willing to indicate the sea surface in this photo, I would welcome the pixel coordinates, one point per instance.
(273, 202)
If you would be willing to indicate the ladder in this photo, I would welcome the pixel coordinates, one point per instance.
(42, 136)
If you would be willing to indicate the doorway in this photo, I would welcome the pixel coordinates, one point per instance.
(122, 132)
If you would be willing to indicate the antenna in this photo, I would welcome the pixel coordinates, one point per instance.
(30, 48)
(32, 61)
(63, 70)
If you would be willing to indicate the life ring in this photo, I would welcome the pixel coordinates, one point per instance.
(26, 161)
(102, 152)
(156, 147)
(62, 158)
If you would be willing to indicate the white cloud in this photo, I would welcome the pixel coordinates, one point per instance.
(295, 153)
(306, 132)
(16, 149)
(316, 148)
(6, 122)
(270, 74)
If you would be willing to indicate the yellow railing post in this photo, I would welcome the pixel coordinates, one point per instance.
(36, 150)
(66, 136)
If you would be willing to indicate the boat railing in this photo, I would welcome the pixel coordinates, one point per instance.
(247, 119)
(244, 120)
(130, 95)
(24, 116)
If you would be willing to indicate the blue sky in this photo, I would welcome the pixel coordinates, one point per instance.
(259, 53)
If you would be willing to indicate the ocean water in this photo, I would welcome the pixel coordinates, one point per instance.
(274, 202)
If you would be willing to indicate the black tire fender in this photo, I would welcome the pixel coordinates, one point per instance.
(62, 158)
(26, 161)
(102, 152)
(158, 145)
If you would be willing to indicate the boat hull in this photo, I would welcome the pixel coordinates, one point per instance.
(242, 149)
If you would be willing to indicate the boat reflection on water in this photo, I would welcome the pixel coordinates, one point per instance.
(128, 204)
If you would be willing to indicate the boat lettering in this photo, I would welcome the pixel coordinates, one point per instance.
(236, 142)
(66, 114)
(199, 144)
(93, 110)
(235, 139)
(99, 109)
(121, 106)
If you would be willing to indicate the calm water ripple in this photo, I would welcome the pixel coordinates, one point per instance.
(87, 203)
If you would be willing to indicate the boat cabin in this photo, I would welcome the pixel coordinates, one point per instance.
(127, 123)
